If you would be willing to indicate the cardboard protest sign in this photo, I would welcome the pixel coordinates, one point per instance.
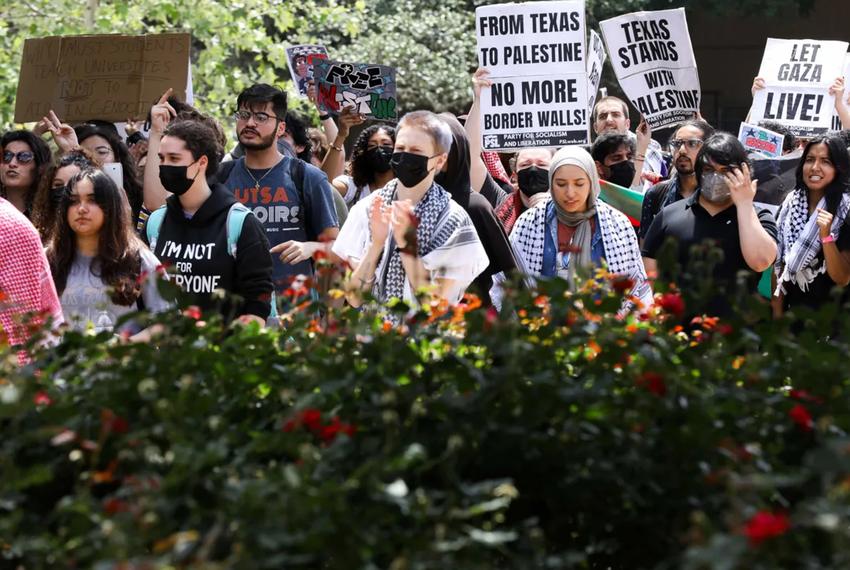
(763, 141)
(370, 88)
(654, 62)
(836, 120)
(596, 57)
(535, 53)
(797, 76)
(301, 59)
(110, 77)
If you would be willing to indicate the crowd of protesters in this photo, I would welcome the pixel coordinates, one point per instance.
(87, 228)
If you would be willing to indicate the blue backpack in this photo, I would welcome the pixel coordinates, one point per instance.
(235, 220)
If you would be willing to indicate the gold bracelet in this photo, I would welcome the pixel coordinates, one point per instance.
(336, 148)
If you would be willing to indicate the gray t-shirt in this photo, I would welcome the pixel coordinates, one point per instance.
(85, 299)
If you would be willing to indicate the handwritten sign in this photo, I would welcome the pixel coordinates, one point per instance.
(535, 53)
(301, 60)
(370, 88)
(797, 75)
(761, 140)
(110, 77)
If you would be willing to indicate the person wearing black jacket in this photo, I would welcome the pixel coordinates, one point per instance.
(193, 236)
(455, 179)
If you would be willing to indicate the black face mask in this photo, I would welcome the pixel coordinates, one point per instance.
(174, 179)
(533, 180)
(622, 173)
(409, 168)
(378, 159)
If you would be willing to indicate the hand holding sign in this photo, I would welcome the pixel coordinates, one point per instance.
(63, 135)
(742, 187)
(480, 80)
(758, 85)
(348, 118)
(162, 113)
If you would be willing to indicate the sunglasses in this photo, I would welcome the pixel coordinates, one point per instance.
(260, 117)
(24, 157)
(675, 144)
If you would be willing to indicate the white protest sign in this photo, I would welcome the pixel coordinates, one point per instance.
(595, 60)
(654, 62)
(797, 75)
(836, 120)
(764, 141)
(535, 53)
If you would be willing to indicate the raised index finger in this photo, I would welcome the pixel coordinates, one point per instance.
(164, 99)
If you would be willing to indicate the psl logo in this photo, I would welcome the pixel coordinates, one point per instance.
(491, 141)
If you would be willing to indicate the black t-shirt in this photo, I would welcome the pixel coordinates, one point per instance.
(653, 200)
(493, 192)
(696, 234)
(819, 289)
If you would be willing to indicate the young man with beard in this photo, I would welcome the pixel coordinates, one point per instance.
(719, 215)
(292, 199)
(611, 115)
(685, 144)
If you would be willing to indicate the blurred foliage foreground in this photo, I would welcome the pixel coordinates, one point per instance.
(551, 435)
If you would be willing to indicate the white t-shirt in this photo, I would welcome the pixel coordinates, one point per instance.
(85, 299)
(460, 259)
(353, 194)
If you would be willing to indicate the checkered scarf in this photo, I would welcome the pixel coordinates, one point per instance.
(26, 284)
(622, 254)
(494, 166)
(799, 240)
(428, 211)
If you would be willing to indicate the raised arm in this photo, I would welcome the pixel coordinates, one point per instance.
(837, 91)
(757, 246)
(334, 163)
(154, 192)
(477, 168)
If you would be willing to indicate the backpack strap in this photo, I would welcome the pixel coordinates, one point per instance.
(235, 220)
(154, 225)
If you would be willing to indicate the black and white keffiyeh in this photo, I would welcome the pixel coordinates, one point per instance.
(799, 240)
(446, 239)
(622, 253)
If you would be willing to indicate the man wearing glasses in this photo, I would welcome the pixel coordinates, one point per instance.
(685, 144)
(293, 200)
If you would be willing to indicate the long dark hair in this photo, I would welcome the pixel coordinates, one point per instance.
(723, 149)
(47, 198)
(118, 262)
(360, 174)
(840, 160)
(40, 151)
(132, 185)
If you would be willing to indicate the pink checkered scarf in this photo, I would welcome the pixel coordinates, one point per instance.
(26, 285)
(494, 166)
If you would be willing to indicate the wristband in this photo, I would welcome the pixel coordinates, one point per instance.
(828, 239)
(324, 117)
(336, 148)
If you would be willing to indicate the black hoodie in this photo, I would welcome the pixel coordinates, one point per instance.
(196, 250)
(455, 179)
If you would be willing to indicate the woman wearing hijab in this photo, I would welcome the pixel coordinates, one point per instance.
(454, 178)
(814, 240)
(574, 232)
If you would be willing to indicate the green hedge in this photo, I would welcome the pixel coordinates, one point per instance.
(554, 435)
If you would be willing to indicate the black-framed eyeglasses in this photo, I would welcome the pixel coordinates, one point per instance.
(24, 157)
(259, 118)
(675, 144)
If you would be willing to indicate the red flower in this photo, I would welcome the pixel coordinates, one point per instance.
(113, 506)
(193, 312)
(113, 423)
(622, 283)
(672, 303)
(329, 432)
(764, 525)
(42, 399)
(653, 382)
(801, 416)
(804, 396)
(725, 329)
(289, 426)
(312, 418)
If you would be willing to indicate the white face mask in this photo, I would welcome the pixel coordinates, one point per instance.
(714, 187)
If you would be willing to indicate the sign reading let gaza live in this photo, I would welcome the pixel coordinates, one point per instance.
(654, 62)
(535, 53)
(797, 75)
